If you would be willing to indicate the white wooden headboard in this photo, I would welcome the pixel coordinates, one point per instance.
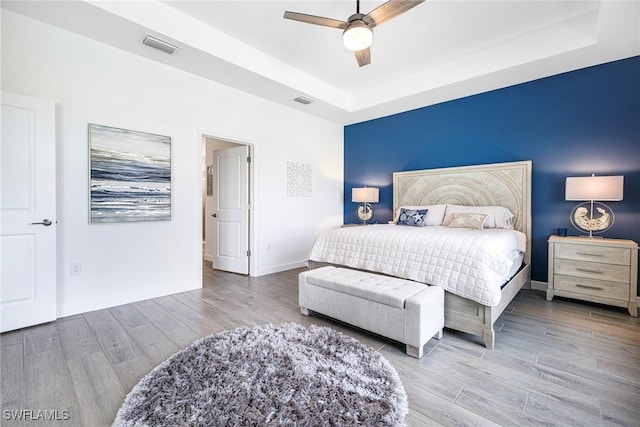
(497, 184)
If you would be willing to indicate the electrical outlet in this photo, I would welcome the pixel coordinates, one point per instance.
(75, 269)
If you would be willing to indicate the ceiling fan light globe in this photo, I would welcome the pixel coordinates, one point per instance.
(357, 36)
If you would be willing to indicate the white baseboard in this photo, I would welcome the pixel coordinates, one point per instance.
(279, 268)
(268, 270)
(538, 286)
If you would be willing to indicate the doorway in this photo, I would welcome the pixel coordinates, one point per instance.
(226, 204)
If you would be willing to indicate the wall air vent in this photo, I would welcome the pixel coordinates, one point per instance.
(303, 100)
(159, 44)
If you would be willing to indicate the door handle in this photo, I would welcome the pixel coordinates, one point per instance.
(46, 222)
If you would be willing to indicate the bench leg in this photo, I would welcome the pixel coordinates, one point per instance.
(414, 351)
(304, 310)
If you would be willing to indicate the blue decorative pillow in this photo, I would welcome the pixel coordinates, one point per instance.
(412, 217)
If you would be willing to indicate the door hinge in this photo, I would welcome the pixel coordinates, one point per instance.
(248, 159)
(248, 253)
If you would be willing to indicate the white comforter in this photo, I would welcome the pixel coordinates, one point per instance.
(471, 263)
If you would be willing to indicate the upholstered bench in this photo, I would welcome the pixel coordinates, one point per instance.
(402, 310)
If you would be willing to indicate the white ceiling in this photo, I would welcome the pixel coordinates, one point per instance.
(438, 51)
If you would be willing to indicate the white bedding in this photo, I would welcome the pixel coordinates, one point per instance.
(471, 263)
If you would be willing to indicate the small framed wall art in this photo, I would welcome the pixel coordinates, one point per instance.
(130, 175)
(298, 179)
(210, 180)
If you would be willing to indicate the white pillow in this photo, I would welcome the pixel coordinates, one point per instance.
(497, 216)
(435, 213)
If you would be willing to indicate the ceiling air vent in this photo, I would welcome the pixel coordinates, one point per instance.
(159, 44)
(303, 100)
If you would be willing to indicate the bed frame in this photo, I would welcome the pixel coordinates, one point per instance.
(499, 184)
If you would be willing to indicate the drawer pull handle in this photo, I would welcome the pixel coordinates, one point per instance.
(597, 288)
(589, 270)
(589, 253)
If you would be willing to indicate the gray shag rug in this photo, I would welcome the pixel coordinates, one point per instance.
(266, 376)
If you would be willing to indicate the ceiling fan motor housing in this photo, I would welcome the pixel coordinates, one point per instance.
(358, 34)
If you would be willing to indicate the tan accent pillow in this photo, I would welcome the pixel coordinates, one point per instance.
(467, 220)
(497, 216)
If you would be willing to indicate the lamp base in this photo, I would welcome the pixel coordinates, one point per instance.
(592, 217)
(365, 212)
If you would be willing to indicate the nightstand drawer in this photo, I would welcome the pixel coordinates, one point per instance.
(607, 255)
(593, 270)
(596, 288)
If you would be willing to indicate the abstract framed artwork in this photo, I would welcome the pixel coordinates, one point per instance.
(210, 173)
(298, 179)
(130, 175)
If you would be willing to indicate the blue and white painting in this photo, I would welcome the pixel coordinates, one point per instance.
(130, 175)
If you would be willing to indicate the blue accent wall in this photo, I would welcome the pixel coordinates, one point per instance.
(572, 124)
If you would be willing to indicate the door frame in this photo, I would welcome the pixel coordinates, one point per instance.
(201, 169)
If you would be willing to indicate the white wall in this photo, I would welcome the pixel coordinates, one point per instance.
(95, 83)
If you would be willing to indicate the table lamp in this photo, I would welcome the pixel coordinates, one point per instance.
(365, 196)
(593, 216)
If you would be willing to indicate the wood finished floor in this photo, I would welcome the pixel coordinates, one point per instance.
(560, 363)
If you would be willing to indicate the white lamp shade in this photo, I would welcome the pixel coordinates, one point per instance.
(357, 36)
(602, 188)
(365, 195)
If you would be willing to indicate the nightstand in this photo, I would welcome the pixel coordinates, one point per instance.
(593, 269)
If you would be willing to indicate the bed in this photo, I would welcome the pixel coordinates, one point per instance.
(471, 309)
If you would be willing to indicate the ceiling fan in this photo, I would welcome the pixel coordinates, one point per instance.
(358, 28)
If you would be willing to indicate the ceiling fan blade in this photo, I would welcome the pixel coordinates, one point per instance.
(363, 56)
(389, 10)
(317, 20)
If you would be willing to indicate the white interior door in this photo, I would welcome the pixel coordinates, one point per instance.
(231, 209)
(27, 212)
